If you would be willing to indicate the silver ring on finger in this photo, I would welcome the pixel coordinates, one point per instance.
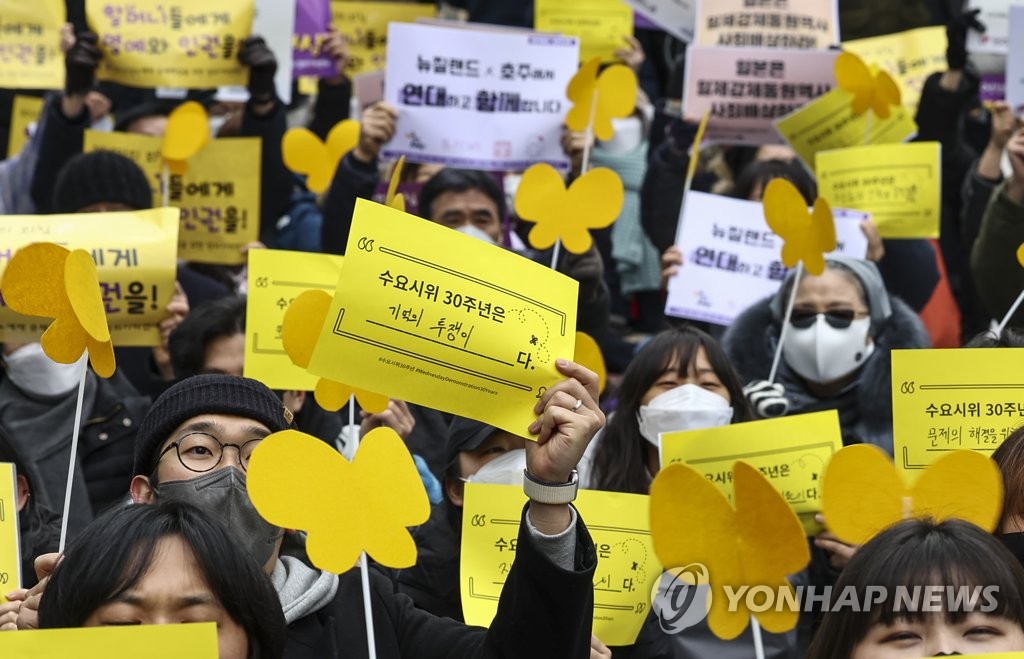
(578, 405)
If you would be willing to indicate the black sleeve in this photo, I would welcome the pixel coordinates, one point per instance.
(276, 181)
(332, 106)
(60, 141)
(910, 271)
(354, 179)
(977, 191)
(661, 195)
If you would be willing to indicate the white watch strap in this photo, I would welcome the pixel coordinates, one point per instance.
(558, 493)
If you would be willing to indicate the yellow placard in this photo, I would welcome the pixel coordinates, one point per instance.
(626, 570)
(790, 451)
(134, 254)
(429, 315)
(944, 400)
(218, 197)
(899, 184)
(909, 57)
(24, 112)
(828, 122)
(788, 24)
(601, 25)
(10, 552)
(364, 26)
(276, 278)
(30, 56)
(192, 640)
(191, 44)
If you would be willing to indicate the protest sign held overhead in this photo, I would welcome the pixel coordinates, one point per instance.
(30, 56)
(806, 24)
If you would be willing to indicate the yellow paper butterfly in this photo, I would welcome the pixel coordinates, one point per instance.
(593, 201)
(297, 481)
(757, 543)
(862, 494)
(304, 153)
(588, 354)
(300, 330)
(876, 91)
(599, 99)
(806, 236)
(187, 132)
(43, 279)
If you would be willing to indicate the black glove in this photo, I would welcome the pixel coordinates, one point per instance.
(956, 35)
(262, 64)
(80, 64)
(767, 399)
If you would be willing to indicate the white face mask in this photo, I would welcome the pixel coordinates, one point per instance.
(686, 407)
(474, 231)
(506, 469)
(821, 353)
(629, 133)
(36, 374)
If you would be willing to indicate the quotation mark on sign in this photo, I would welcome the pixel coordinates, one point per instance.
(365, 244)
(907, 388)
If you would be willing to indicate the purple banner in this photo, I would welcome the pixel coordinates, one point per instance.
(312, 18)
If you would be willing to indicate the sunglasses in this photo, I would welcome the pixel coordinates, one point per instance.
(837, 318)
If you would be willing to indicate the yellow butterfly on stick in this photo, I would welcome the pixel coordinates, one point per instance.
(305, 153)
(807, 237)
(598, 99)
(874, 90)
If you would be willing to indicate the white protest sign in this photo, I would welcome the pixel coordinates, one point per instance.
(995, 15)
(747, 89)
(731, 257)
(478, 99)
(674, 16)
(1015, 61)
(274, 20)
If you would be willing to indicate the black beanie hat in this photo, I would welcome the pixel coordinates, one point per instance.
(100, 177)
(205, 394)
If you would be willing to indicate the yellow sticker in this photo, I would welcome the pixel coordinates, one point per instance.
(434, 317)
(600, 98)
(807, 236)
(192, 45)
(626, 571)
(364, 26)
(758, 543)
(592, 201)
(790, 451)
(193, 640)
(828, 122)
(601, 25)
(297, 481)
(188, 131)
(10, 552)
(899, 184)
(862, 494)
(219, 195)
(24, 112)
(589, 354)
(276, 279)
(30, 56)
(910, 57)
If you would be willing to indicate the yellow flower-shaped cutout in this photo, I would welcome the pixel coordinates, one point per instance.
(876, 90)
(304, 153)
(757, 543)
(588, 354)
(612, 95)
(299, 333)
(593, 201)
(296, 481)
(862, 494)
(187, 132)
(806, 236)
(44, 279)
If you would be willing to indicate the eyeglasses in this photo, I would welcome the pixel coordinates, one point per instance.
(836, 318)
(200, 452)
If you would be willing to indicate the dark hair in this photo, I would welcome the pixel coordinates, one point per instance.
(459, 180)
(1010, 458)
(206, 323)
(10, 453)
(1008, 338)
(758, 173)
(919, 553)
(116, 550)
(620, 463)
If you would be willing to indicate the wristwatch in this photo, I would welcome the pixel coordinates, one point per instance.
(553, 493)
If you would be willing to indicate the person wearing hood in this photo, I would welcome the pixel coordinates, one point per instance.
(836, 354)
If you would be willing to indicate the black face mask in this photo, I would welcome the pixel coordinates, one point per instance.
(1015, 543)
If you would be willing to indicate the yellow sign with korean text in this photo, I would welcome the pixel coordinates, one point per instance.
(627, 567)
(431, 316)
(790, 451)
(899, 184)
(909, 57)
(944, 400)
(135, 260)
(24, 112)
(30, 56)
(601, 25)
(190, 44)
(828, 122)
(805, 24)
(364, 26)
(276, 278)
(192, 640)
(10, 552)
(218, 197)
